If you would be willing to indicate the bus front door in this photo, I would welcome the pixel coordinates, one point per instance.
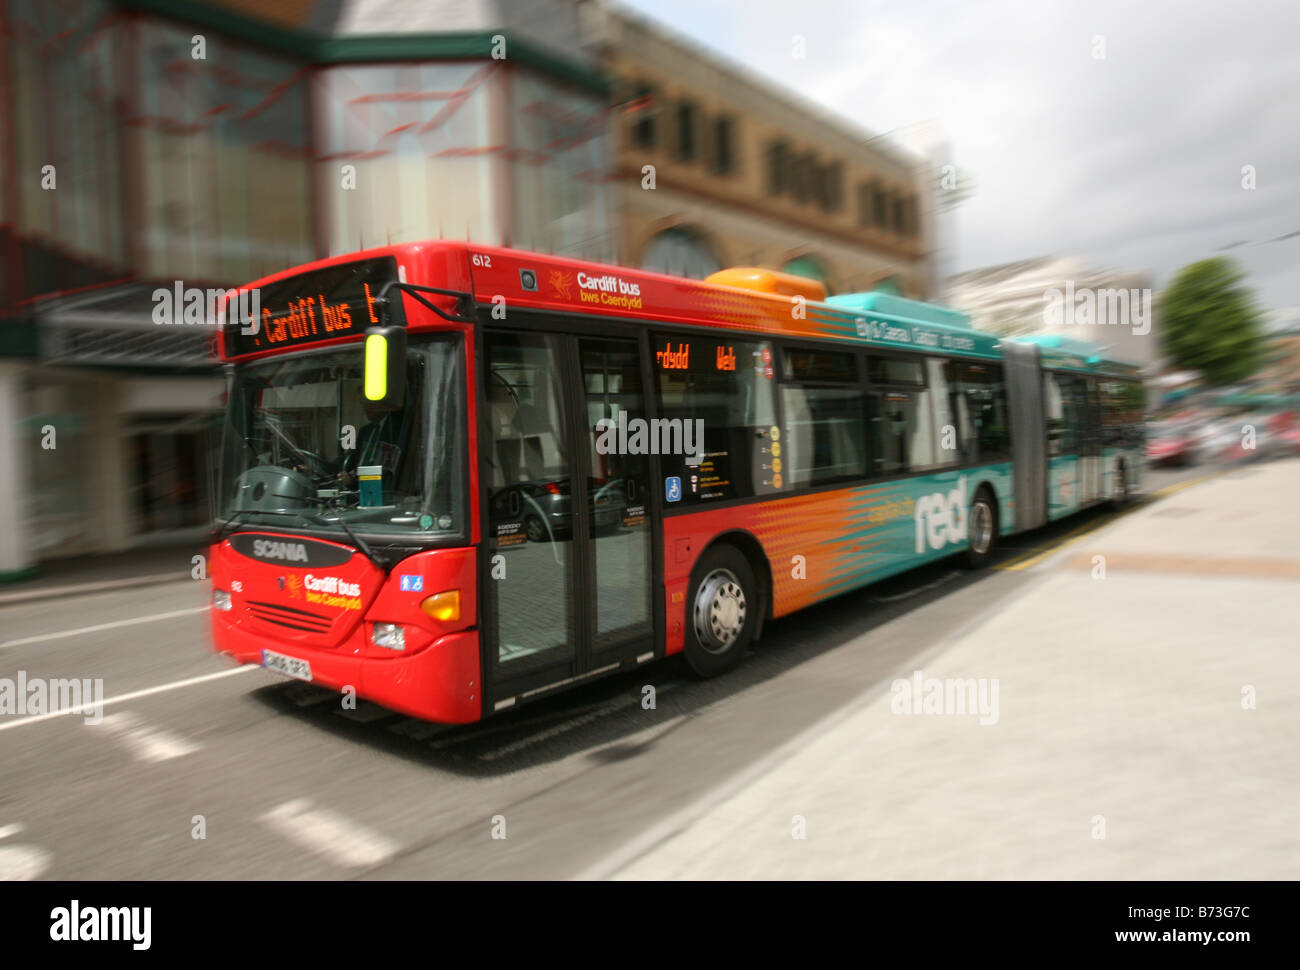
(618, 496)
(566, 571)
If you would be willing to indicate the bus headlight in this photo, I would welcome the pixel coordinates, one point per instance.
(388, 635)
(221, 600)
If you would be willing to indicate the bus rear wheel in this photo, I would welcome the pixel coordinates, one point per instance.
(722, 613)
(982, 529)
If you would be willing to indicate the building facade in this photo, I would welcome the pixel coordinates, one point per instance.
(1115, 310)
(147, 145)
(717, 167)
(152, 145)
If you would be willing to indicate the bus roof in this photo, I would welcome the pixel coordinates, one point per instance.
(559, 284)
(897, 306)
(1069, 353)
(495, 276)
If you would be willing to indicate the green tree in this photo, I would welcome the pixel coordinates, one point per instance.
(1209, 321)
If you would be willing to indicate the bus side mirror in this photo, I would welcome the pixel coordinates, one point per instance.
(384, 373)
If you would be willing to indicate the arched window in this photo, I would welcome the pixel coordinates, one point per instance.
(680, 252)
(809, 267)
(890, 285)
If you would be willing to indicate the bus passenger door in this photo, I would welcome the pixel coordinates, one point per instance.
(1061, 406)
(618, 548)
(1091, 461)
(566, 571)
(530, 568)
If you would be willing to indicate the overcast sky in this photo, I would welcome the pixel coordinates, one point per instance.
(1133, 161)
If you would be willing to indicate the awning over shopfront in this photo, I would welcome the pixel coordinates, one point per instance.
(115, 327)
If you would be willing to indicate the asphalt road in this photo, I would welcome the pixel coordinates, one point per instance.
(289, 785)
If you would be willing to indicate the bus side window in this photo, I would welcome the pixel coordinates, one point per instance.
(981, 391)
(823, 416)
(1054, 408)
(1081, 411)
(1067, 413)
(1121, 402)
(887, 419)
(728, 386)
(1135, 404)
(900, 422)
(995, 425)
(1109, 412)
(952, 439)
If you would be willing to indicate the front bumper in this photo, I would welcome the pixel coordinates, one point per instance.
(438, 683)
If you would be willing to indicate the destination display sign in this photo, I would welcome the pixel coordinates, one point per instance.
(900, 332)
(326, 304)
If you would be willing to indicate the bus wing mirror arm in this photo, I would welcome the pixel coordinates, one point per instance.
(464, 301)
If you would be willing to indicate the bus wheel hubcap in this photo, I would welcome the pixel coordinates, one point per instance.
(983, 516)
(719, 611)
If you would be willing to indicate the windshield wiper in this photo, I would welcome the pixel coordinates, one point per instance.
(356, 539)
(360, 543)
(238, 515)
(228, 526)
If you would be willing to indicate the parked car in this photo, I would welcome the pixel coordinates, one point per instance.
(542, 511)
(1174, 442)
(1230, 444)
(1285, 430)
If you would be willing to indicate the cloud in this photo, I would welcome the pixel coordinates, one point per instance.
(1133, 160)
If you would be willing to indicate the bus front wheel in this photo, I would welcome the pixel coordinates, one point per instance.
(982, 529)
(723, 611)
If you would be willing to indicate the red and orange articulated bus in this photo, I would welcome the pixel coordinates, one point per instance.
(454, 478)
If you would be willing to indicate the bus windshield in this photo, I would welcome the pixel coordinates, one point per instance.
(300, 448)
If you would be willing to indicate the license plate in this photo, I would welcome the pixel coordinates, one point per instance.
(289, 666)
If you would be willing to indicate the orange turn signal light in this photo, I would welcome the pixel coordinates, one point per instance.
(444, 606)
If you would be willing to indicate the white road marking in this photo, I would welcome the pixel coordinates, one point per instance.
(102, 626)
(146, 692)
(78, 589)
(20, 863)
(147, 743)
(329, 834)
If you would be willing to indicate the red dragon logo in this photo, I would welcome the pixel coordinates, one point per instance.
(561, 282)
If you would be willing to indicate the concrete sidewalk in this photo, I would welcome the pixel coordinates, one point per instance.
(144, 566)
(1126, 744)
